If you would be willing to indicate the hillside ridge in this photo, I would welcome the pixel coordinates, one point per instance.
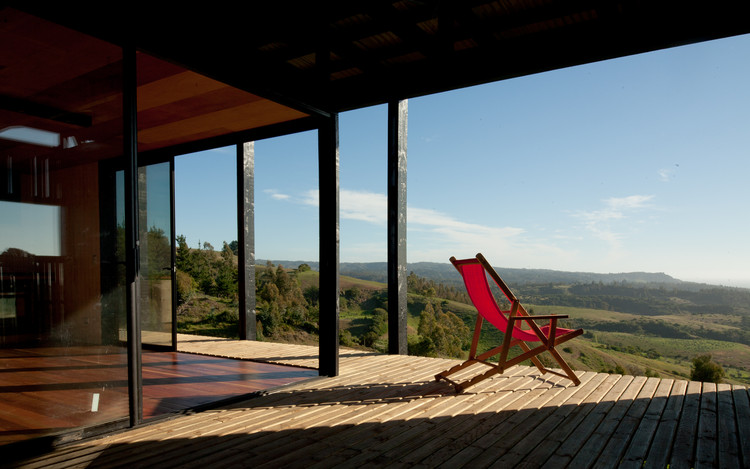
(444, 272)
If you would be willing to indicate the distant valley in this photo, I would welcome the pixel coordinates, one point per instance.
(446, 274)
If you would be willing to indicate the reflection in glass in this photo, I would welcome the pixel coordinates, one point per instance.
(156, 254)
(32, 228)
(62, 358)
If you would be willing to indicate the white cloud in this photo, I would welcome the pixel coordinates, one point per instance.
(372, 207)
(364, 206)
(603, 223)
(277, 195)
(667, 174)
(356, 205)
(435, 236)
(615, 208)
(438, 231)
(628, 203)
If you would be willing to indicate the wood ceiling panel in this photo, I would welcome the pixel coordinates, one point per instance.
(381, 50)
(176, 106)
(175, 88)
(50, 75)
(227, 120)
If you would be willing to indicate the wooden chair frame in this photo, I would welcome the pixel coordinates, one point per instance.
(517, 314)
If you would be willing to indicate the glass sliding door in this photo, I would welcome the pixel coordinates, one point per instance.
(155, 215)
(62, 355)
(156, 241)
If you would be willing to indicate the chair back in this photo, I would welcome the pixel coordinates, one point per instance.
(474, 272)
(475, 279)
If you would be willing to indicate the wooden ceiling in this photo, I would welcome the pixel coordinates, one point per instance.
(176, 106)
(339, 55)
(67, 83)
(216, 71)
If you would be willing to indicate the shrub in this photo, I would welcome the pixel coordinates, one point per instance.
(346, 339)
(705, 370)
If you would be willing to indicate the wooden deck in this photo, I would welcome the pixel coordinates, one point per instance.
(386, 410)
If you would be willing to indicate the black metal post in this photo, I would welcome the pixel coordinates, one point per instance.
(132, 250)
(173, 258)
(328, 161)
(397, 312)
(246, 239)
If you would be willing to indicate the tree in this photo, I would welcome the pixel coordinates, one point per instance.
(443, 333)
(227, 253)
(427, 323)
(185, 287)
(312, 294)
(159, 253)
(705, 370)
(183, 254)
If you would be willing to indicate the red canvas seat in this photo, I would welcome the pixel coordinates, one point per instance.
(516, 324)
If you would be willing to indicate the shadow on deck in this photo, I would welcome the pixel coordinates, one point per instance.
(386, 410)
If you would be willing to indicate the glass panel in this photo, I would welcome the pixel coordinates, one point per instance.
(206, 226)
(156, 254)
(62, 360)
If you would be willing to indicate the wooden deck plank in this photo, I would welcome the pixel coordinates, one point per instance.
(683, 449)
(493, 420)
(742, 409)
(425, 430)
(612, 435)
(537, 427)
(571, 447)
(333, 415)
(317, 446)
(388, 411)
(661, 445)
(646, 432)
(325, 445)
(635, 431)
(728, 451)
(438, 449)
(571, 415)
(552, 416)
(399, 438)
(265, 428)
(169, 444)
(525, 421)
(411, 415)
(705, 448)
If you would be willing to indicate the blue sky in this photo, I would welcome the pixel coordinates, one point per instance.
(635, 164)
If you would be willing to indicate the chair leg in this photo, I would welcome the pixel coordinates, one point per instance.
(453, 369)
(534, 359)
(475, 339)
(528, 354)
(568, 371)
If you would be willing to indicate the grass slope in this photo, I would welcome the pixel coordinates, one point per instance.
(598, 350)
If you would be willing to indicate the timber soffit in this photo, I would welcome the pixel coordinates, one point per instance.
(374, 51)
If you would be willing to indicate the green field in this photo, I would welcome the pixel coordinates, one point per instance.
(653, 345)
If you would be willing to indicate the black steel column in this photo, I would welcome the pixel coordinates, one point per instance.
(328, 180)
(173, 256)
(246, 239)
(397, 312)
(132, 252)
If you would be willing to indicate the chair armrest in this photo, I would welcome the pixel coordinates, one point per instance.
(548, 316)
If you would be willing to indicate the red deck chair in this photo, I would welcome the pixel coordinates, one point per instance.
(474, 272)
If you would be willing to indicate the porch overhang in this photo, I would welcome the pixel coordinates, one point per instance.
(330, 57)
